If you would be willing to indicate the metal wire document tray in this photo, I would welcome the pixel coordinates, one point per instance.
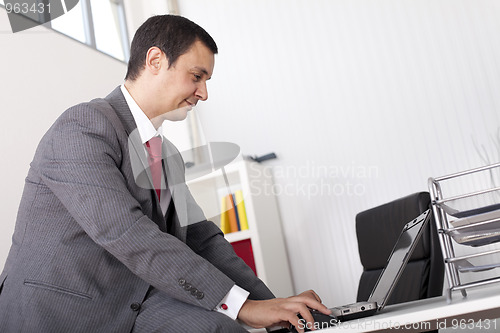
(468, 216)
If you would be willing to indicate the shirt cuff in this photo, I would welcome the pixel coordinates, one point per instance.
(232, 302)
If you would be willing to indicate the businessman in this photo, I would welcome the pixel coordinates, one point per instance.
(108, 237)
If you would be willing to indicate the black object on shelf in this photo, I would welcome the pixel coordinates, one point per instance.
(260, 159)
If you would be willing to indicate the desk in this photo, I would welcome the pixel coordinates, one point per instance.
(481, 304)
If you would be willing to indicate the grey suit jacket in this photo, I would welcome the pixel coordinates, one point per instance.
(90, 239)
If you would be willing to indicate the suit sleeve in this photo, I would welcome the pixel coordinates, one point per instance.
(207, 240)
(80, 162)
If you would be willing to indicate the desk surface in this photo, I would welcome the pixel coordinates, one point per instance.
(472, 313)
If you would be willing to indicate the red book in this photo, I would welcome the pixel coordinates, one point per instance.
(243, 249)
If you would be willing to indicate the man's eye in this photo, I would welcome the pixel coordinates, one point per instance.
(197, 77)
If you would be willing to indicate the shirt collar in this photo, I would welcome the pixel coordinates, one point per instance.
(144, 125)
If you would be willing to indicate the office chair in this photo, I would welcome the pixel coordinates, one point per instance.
(377, 230)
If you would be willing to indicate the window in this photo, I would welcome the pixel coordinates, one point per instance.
(71, 23)
(98, 23)
(107, 21)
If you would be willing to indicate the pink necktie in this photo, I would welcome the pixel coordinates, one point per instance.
(153, 147)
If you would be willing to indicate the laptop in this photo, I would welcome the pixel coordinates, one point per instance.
(387, 281)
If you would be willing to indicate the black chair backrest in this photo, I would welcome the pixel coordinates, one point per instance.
(377, 230)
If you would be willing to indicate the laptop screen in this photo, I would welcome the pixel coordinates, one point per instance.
(397, 260)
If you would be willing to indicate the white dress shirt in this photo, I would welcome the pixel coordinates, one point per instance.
(234, 299)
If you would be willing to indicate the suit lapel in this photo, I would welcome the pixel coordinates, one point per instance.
(119, 104)
(138, 159)
(174, 171)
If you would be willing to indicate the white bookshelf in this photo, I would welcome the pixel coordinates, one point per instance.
(264, 224)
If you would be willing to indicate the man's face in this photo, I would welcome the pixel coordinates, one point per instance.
(185, 83)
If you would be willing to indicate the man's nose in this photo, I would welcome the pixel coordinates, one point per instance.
(202, 92)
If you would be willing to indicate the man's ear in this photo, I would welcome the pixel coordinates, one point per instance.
(154, 60)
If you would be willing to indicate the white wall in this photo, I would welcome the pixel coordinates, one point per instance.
(362, 100)
(42, 74)
(138, 11)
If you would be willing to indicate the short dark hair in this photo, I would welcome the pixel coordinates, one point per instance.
(172, 34)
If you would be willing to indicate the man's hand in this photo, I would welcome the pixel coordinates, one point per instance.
(281, 311)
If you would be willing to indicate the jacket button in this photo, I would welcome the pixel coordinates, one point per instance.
(182, 282)
(135, 306)
(187, 287)
(194, 291)
(200, 295)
